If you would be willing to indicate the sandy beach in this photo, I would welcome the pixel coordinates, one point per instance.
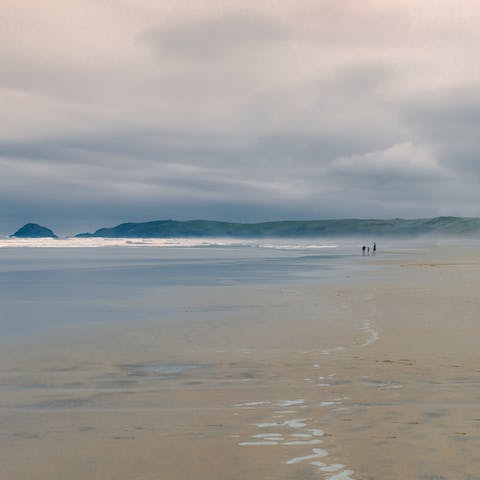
(373, 378)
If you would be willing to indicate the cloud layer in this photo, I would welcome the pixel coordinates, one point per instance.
(116, 110)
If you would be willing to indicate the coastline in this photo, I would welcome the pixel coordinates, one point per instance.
(373, 378)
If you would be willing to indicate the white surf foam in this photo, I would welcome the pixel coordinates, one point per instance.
(252, 404)
(328, 404)
(316, 441)
(317, 453)
(332, 468)
(345, 475)
(289, 403)
(97, 242)
(372, 335)
(295, 423)
(260, 443)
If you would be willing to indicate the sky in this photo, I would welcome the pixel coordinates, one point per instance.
(136, 110)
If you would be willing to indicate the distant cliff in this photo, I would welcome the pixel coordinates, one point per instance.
(32, 230)
(295, 228)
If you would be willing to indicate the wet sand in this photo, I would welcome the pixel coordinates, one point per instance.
(374, 378)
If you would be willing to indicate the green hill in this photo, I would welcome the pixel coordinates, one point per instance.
(295, 228)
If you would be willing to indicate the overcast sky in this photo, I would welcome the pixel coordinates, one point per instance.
(133, 110)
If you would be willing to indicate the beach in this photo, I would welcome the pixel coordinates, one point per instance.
(372, 375)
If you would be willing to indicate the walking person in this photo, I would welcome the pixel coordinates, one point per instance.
(374, 248)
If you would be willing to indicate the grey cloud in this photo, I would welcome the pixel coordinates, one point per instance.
(405, 161)
(46, 77)
(365, 79)
(446, 108)
(350, 23)
(298, 110)
(448, 120)
(215, 38)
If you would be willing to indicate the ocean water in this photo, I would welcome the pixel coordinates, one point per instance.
(48, 286)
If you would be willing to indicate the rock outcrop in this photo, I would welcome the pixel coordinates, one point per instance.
(32, 230)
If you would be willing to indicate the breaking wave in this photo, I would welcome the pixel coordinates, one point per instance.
(283, 244)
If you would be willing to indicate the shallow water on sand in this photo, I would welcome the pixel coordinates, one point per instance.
(238, 362)
(49, 289)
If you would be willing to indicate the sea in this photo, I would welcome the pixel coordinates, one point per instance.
(61, 286)
(65, 286)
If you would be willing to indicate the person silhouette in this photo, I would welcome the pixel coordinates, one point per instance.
(363, 250)
(374, 248)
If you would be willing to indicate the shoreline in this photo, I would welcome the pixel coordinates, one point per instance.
(313, 383)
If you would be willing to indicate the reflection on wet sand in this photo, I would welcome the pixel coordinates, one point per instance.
(372, 380)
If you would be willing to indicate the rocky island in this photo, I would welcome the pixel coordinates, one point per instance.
(33, 230)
